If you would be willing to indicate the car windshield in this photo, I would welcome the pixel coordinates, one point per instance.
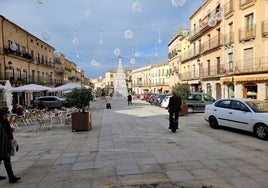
(258, 106)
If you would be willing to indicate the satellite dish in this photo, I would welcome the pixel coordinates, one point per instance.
(219, 16)
(13, 47)
(57, 54)
(212, 22)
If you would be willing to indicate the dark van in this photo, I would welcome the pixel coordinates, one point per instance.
(197, 101)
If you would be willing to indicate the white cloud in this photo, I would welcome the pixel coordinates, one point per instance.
(66, 21)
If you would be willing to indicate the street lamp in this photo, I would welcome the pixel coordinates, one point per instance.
(199, 74)
(9, 68)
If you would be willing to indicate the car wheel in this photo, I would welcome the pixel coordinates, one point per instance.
(213, 123)
(261, 132)
(190, 109)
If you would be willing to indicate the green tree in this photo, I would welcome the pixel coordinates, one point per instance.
(80, 98)
(183, 90)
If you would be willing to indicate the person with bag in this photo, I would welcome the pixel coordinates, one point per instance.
(174, 107)
(108, 102)
(6, 140)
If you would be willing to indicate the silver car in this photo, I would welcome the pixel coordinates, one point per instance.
(49, 102)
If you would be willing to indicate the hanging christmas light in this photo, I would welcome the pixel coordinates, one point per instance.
(178, 3)
(128, 34)
(132, 61)
(40, 1)
(100, 40)
(117, 52)
(75, 41)
(136, 7)
(88, 12)
(159, 38)
(46, 35)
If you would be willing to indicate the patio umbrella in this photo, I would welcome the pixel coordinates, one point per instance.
(2, 87)
(66, 87)
(30, 88)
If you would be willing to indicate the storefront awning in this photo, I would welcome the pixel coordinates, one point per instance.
(193, 82)
(166, 88)
(251, 78)
(226, 79)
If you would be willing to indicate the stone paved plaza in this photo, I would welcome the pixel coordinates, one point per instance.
(130, 146)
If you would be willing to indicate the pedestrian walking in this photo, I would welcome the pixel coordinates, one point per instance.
(108, 101)
(174, 107)
(6, 137)
(129, 99)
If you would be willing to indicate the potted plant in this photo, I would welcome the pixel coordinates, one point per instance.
(183, 90)
(80, 98)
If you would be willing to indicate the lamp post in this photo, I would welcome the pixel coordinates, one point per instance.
(199, 74)
(9, 68)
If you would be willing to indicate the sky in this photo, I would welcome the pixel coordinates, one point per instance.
(95, 33)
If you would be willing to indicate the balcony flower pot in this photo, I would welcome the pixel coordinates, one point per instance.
(80, 98)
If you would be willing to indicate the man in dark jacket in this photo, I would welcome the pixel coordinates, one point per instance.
(174, 107)
(6, 135)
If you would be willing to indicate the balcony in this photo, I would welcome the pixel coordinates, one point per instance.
(205, 21)
(244, 4)
(212, 43)
(190, 75)
(58, 71)
(191, 53)
(8, 51)
(265, 28)
(229, 39)
(229, 9)
(194, 34)
(249, 66)
(247, 33)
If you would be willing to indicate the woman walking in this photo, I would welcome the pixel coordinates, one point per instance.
(6, 136)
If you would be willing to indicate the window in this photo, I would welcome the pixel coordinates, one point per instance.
(248, 59)
(230, 57)
(23, 50)
(9, 43)
(249, 22)
(230, 27)
(219, 71)
(208, 97)
(223, 104)
(208, 67)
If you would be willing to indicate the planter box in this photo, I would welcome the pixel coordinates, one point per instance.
(81, 121)
(184, 110)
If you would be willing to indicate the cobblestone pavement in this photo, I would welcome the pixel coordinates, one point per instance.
(131, 147)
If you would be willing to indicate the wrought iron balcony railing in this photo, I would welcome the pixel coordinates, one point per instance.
(240, 67)
(247, 33)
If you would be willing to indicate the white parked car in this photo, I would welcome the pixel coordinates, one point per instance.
(244, 114)
(165, 102)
